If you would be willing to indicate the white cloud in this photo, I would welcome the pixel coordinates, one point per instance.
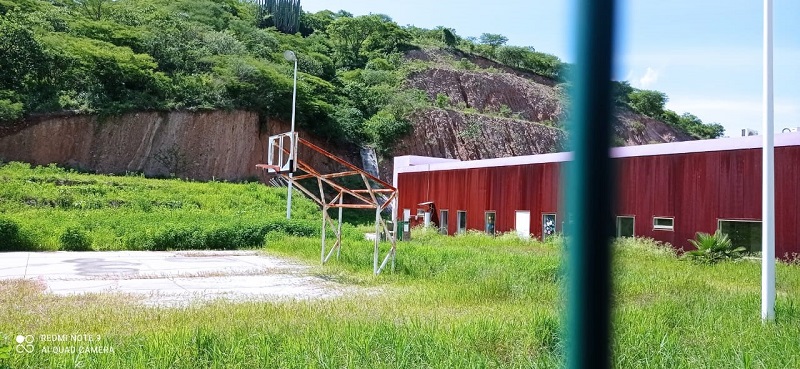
(645, 80)
(650, 77)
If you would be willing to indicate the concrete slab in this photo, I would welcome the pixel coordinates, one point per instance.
(171, 278)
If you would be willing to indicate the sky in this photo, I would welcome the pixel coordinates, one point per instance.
(706, 55)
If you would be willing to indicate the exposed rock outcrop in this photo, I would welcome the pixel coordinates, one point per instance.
(490, 92)
(198, 145)
(636, 129)
(453, 134)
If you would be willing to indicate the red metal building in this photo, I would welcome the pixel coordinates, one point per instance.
(665, 191)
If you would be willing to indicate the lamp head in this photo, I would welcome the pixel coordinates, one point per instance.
(289, 55)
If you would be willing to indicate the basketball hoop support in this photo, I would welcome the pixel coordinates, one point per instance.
(377, 194)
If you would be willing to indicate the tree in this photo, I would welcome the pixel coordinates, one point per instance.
(353, 39)
(93, 9)
(670, 117)
(319, 21)
(648, 102)
(692, 125)
(514, 56)
(494, 40)
(449, 38)
(21, 54)
(620, 91)
(470, 41)
(695, 127)
(710, 130)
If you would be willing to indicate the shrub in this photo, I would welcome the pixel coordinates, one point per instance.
(638, 127)
(471, 132)
(10, 237)
(75, 239)
(179, 238)
(465, 64)
(449, 38)
(293, 227)
(226, 238)
(384, 129)
(10, 110)
(442, 101)
(223, 239)
(505, 111)
(713, 248)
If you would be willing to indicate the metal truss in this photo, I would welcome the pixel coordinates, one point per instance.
(334, 191)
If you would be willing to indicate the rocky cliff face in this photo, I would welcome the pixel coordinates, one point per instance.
(495, 111)
(636, 129)
(488, 92)
(454, 134)
(197, 145)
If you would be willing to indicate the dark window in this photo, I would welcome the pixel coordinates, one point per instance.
(745, 234)
(490, 220)
(663, 223)
(548, 225)
(625, 227)
(443, 221)
(461, 221)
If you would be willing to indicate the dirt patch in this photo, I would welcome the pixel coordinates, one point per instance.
(170, 278)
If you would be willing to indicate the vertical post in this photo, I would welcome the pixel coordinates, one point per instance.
(292, 143)
(590, 190)
(394, 252)
(394, 238)
(324, 219)
(339, 231)
(768, 179)
(377, 238)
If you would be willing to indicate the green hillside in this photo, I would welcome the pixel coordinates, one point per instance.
(48, 208)
(106, 57)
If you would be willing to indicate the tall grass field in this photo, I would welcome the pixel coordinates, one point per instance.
(470, 301)
(38, 206)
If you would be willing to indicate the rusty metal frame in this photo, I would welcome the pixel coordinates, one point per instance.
(368, 198)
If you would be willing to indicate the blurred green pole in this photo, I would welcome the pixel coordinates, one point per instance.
(590, 190)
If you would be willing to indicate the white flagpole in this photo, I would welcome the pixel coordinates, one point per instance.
(768, 179)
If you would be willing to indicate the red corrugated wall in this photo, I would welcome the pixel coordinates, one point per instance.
(697, 189)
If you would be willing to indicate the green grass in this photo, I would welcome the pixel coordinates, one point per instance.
(132, 212)
(469, 301)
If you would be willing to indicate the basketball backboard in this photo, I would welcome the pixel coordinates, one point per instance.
(282, 153)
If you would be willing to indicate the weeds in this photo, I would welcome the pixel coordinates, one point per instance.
(75, 239)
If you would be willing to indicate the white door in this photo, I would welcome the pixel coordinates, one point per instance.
(522, 223)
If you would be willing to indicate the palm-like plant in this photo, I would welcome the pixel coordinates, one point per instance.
(714, 248)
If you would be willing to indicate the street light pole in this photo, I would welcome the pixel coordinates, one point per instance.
(290, 56)
(768, 179)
